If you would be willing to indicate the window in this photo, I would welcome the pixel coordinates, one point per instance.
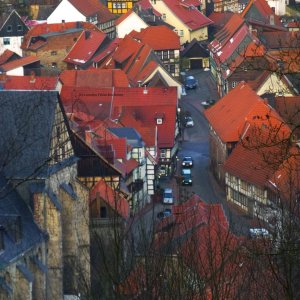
(244, 186)
(159, 121)
(233, 84)
(181, 33)
(171, 54)
(6, 41)
(54, 65)
(163, 153)
(103, 212)
(9, 28)
(165, 54)
(164, 16)
(172, 69)
(53, 53)
(20, 28)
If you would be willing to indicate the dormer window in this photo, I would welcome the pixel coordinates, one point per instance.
(9, 28)
(159, 117)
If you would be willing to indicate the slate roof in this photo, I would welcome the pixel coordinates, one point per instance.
(11, 207)
(25, 132)
(134, 139)
(168, 40)
(229, 116)
(85, 47)
(188, 14)
(280, 40)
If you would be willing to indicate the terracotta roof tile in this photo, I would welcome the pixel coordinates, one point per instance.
(29, 83)
(145, 5)
(168, 38)
(6, 55)
(241, 105)
(111, 197)
(85, 47)
(188, 14)
(21, 62)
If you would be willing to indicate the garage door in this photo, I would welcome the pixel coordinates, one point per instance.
(196, 64)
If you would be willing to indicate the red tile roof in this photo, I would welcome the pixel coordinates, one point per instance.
(241, 105)
(123, 17)
(111, 197)
(107, 51)
(145, 5)
(145, 105)
(92, 7)
(258, 156)
(263, 9)
(6, 55)
(29, 83)
(45, 28)
(94, 78)
(85, 47)
(21, 62)
(188, 14)
(168, 40)
(225, 34)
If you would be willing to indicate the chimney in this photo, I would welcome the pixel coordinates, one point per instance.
(87, 34)
(32, 77)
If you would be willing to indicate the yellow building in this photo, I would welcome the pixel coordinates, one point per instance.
(120, 6)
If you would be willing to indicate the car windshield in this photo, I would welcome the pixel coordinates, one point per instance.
(168, 195)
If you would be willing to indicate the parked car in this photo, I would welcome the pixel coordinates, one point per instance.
(168, 196)
(259, 233)
(190, 83)
(186, 176)
(208, 103)
(165, 213)
(189, 122)
(187, 162)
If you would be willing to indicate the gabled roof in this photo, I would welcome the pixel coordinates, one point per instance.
(168, 38)
(133, 138)
(91, 7)
(229, 116)
(17, 63)
(94, 78)
(111, 197)
(259, 154)
(28, 82)
(45, 30)
(289, 109)
(146, 5)
(124, 17)
(280, 40)
(220, 18)
(188, 14)
(85, 47)
(224, 35)
(7, 55)
(260, 11)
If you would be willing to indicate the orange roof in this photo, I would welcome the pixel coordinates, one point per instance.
(241, 105)
(44, 28)
(29, 83)
(111, 197)
(21, 62)
(6, 55)
(85, 47)
(168, 38)
(123, 17)
(94, 78)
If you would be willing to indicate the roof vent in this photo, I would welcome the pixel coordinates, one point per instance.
(145, 91)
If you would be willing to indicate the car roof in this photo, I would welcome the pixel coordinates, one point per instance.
(187, 157)
(168, 190)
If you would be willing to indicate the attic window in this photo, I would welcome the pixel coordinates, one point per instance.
(20, 28)
(9, 28)
(159, 121)
(159, 117)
